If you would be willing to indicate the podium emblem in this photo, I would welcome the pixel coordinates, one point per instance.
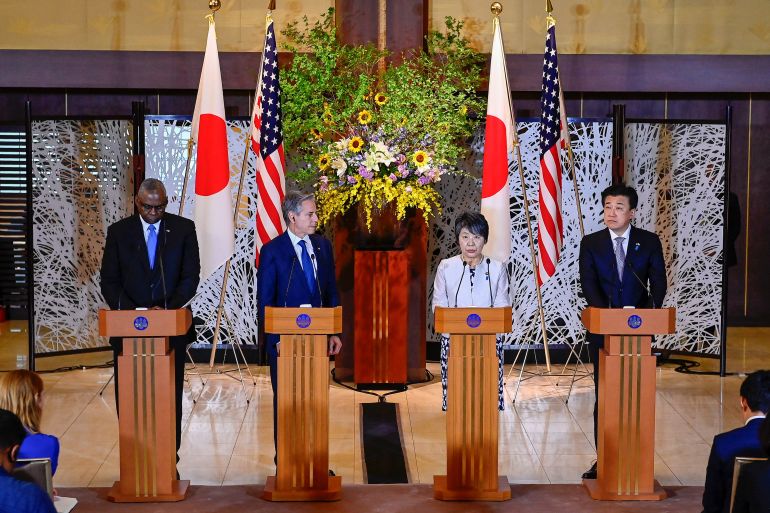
(303, 320)
(473, 320)
(141, 323)
(634, 321)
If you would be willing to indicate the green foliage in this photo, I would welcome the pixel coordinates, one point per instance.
(328, 84)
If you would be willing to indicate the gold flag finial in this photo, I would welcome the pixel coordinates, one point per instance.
(271, 5)
(548, 6)
(215, 5)
(496, 8)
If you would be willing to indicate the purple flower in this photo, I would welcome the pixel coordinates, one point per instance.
(392, 177)
(352, 179)
(423, 180)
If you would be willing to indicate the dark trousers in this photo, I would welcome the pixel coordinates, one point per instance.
(178, 346)
(595, 343)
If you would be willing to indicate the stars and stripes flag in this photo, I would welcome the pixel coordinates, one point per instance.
(213, 200)
(550, 227)
(267, 143)
(498, 147)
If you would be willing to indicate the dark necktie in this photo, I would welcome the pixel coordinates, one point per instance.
(152, 243)
(307, 266)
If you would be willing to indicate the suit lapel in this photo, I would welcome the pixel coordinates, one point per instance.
(138, 231)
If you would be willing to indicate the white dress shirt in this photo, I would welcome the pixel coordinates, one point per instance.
(625, 234)
(298, 249)
(146, 225)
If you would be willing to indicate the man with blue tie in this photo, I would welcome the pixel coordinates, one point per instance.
(620, 265)
(151, 261)
(296, 269)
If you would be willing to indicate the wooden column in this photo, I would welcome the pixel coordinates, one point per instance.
(381, 312)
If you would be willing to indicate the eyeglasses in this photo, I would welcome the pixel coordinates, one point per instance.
(156, 208)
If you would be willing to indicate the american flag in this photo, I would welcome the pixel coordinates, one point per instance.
(267, 143)
(550, 228)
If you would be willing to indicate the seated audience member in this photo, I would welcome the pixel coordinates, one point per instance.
(21, 392)
(752, 494)
(17, 496)
(743, 441)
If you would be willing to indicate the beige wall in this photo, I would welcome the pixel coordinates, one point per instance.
(733, 27)
(169, 25)
(588, 26)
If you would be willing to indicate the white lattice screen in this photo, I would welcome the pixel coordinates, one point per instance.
(82, 184)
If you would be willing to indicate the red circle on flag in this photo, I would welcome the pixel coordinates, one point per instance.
(213, 166)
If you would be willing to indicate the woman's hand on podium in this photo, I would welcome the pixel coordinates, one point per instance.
(335, 344)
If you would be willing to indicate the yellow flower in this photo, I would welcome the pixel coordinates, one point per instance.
(324, 161)
(463, 110)
(380, 99)
(364, 117)
(420, 158)
(316, 133)
(328, 119)
(356, 144)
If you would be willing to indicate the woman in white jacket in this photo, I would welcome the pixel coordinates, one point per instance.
(470, 279)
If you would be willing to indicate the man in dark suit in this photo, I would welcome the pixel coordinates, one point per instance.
(619, 266)
(743, 441)
(296, 269)
(151, 261)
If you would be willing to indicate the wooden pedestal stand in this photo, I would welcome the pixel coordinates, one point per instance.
(626, 430)
(147, 401)
(303, 404)
(472, 396)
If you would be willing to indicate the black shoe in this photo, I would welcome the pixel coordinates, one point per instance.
(591, 472)
(331, 473)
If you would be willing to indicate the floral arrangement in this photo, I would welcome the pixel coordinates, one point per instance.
(371, 133)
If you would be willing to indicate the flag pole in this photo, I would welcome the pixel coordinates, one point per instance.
(244, 165)
(551, 22)
(190, 144)
(496, 10)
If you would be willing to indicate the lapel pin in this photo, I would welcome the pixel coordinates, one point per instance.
(636, 247)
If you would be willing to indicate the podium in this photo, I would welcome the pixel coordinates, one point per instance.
(472, 397)
(303, 404)
(147, 422)
(626, 430)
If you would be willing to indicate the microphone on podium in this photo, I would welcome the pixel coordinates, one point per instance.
(288, 282)
(489, 281)
(465, 264)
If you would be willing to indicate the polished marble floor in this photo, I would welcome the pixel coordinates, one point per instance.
(542, 439)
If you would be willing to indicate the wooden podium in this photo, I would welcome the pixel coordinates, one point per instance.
(626, 430)
(147, 422)
(303, 404)
(472, 397)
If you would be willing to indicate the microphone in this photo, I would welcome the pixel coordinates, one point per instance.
(465, 264)
(644, 286)
(162, 273)
(489, 282)
(317, 283)
(288, 283)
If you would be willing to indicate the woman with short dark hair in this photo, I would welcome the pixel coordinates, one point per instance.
(470, 279)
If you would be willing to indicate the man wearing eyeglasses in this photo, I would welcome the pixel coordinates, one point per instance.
(151, 261)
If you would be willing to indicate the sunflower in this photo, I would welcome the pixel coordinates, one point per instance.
(364, 117)
(328, 118)
(420, 158)
(324, 161)
(380, 99)
(316, 133)
(356, 144)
